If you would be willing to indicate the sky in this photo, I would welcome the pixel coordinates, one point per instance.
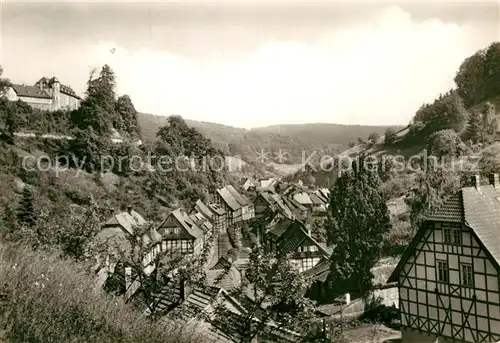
(253, 63)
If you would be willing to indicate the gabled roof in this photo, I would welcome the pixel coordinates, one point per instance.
(315, 199)
(240, 198)
(320, 271)
(302, 198)
(201, 221)
(294, 236)
(268, 183)
(126, 220)
(217, 209)
(224, 274)
(30, 91)
(63, 88)
(203, 209)
(479, 209)
(229, 199)
(285, 210)
(185, 222)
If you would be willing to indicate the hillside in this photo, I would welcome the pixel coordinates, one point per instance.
(294, 139)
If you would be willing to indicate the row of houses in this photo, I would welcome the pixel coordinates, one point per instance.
(278, 222)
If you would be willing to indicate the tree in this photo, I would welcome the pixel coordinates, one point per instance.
(4, 83)
(97, 110)
(489, 122)
(26, 209)
(128, 114)
(276, 290)
(151, 268)
(445, 143)
(390, 136)
(475, 127)
(373, 137)
(434, 186)
(357, 225)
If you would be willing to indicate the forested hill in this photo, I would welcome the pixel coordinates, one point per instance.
(292, 138)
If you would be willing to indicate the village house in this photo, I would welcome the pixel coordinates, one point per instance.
(249, 185)
(47, 94)
(117, 234)
(448, 277)
(291, 237)
(247, 207)
(238, 206)
(216, 214)
(179, 232)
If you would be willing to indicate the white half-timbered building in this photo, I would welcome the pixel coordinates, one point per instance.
(449, 276)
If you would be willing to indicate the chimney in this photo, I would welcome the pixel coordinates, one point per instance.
(184, 289)
(347, 298)
(495, 180)
(476, 181)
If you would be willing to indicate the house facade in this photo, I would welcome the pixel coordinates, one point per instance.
(180, 233)
(449, 276)
(290, 237)
(47, 94)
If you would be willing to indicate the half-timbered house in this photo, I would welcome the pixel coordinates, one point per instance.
(247, 207)
(178, 231)
(448, 277)
(290, 237)
(226, 200)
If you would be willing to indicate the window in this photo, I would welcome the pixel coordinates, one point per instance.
(443, 271)
(457, 236)
(466, 275)
(452, 235)
(447, 235)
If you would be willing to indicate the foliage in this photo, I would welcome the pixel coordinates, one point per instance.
(475, 127)
(433, 186)
(445, 143)
(478, 76)
(446, 112)
(373, 137)
(390, 136)
(359, 220)
(276, 290)
(26, 212)
(126, 110)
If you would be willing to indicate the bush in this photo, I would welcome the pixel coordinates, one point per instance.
(390, 136)
(445, 143)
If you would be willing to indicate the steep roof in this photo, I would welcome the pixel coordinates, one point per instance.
(302, 198)
(126, 220)
(229, 199)
(63, 88)
(479, 209)
(203, 209)
(217, 209)
(30, 91)
(315, 199)
(191, 228)
(240, 198)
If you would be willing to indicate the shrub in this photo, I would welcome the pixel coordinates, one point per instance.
(390, 136)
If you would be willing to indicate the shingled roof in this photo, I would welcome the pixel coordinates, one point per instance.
(229, 199)
(478, 208)
(30, 91)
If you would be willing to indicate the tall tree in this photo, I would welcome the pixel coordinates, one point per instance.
(489, 122)
(357, 225)
(98, 108)
(128, 114)
(475, 127)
